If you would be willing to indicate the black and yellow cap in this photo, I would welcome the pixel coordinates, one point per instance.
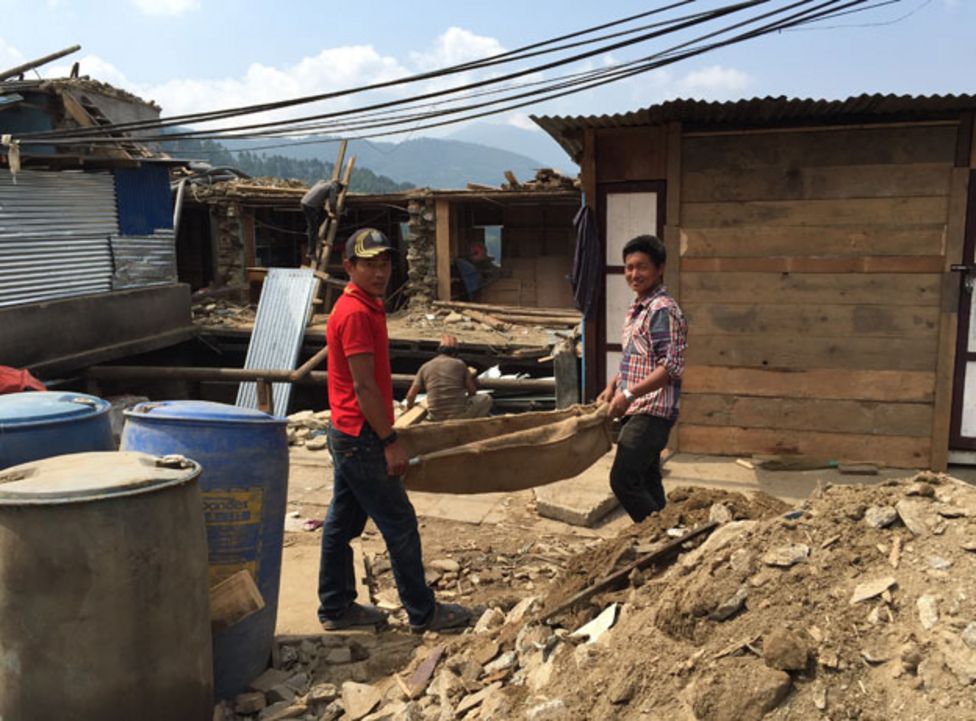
(367, 243)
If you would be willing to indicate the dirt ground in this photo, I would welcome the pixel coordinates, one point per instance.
(839, 598)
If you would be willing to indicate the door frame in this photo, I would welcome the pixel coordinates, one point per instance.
(602, 190)
(963, 355)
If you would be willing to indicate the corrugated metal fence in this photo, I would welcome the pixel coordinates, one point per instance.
(60, 237)
(54, 235)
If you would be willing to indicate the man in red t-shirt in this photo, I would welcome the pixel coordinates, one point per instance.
(368, 459)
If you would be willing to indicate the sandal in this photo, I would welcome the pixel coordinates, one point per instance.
(357, 616)
(446, 616)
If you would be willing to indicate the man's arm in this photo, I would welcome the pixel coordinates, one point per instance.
(371, 405)
(411, 396)
(469, 382)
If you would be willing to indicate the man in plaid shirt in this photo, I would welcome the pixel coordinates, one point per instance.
(646, 390)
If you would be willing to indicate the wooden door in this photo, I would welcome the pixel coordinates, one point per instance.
(963, 426)
(627, 210)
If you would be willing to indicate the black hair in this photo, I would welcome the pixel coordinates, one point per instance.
(650, 245)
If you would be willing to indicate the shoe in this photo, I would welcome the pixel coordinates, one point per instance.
(447, 616)
(357, 616)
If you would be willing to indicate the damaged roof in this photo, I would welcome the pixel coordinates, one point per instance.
(761, 112)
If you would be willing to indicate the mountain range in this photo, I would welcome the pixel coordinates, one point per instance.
(478, 153)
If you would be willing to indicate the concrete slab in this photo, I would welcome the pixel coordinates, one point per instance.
(467, 508)
(583, 500)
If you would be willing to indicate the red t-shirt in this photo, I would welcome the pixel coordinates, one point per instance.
(357, 324)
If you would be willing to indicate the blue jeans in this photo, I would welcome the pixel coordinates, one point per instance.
(636, 473)
(361, 489)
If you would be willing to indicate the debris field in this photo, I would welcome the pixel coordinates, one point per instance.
(859, 604)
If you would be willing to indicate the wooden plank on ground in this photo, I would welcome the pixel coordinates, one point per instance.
(804, 264)
(812, 320)
(920, 289)
(816, 183)
(866, 211)
(814, 240)
(852, 146)
(891, 451)
(874, 385)
(805, 352)
(234, 599)
(808, 414)
(412, 417)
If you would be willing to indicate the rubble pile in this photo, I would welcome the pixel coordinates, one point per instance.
(308, 429)
(860, 604)
(222, 313)
(545, 179)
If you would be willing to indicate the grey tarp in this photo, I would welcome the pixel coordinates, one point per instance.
(505, 453)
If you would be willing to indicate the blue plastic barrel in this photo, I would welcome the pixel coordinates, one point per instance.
(35, 425)
(244, 454)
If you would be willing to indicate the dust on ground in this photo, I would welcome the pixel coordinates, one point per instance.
(861, 604)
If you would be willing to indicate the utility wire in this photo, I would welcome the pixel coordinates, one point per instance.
(461, 67)
(581, 81)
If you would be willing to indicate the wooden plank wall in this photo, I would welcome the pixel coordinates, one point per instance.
(811, 271)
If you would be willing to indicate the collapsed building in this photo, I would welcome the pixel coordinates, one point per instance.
(86, 242)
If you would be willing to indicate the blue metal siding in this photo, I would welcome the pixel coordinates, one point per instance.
(144, 199)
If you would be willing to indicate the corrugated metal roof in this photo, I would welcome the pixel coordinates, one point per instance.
(761, 112)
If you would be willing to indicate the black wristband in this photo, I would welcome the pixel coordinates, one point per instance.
(390, 439)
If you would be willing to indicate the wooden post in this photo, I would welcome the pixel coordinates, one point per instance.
(265, 393)
(592, 385)
(672, 229)
(567, 375)
(442, 247)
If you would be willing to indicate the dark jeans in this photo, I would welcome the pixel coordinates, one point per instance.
(636, 474)
(361, 489)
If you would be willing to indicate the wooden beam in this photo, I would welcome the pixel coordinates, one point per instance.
(672, 230)
(797, 264)
(442, 243)
(591, 383)
(949, 324)
(249, 233)
(891, 451)
(823, 383)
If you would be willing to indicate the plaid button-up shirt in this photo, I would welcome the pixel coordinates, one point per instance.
(655, 334)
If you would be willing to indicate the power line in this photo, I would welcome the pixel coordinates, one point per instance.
(559, 87)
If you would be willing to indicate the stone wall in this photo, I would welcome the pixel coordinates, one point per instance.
(421, 287)
(230, 245)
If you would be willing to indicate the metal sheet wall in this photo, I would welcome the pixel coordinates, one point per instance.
(284, 310)
(54, 234)
(144, 259)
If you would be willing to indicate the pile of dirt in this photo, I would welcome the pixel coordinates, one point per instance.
(859, 605)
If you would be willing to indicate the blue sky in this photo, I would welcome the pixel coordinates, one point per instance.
(193, 55)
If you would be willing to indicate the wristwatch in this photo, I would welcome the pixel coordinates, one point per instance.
(390, 439)
(628, 394)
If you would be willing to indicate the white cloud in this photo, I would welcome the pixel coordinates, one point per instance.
(9, 55)
(94, 67)
(714, 83)
(166, 8)
(521, 120)
(456, 45)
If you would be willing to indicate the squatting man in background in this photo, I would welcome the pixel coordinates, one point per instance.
(368, 458)
(645, 392)
(451, 390)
